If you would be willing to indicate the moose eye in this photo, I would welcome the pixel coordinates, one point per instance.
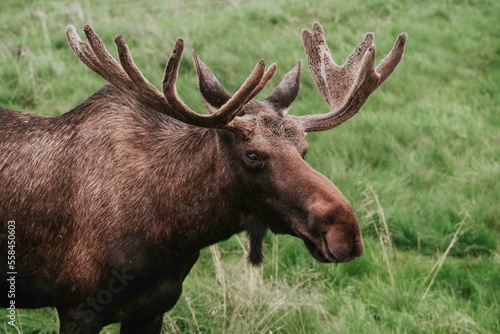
(252, 156)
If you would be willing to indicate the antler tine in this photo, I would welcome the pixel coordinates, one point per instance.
(250, 88)
(345, 88)
(76, 44)
(97, 58)
(268, 75)
(227, 112)
(150, 96)
(389, 63)
(127, 77)
(314, 49)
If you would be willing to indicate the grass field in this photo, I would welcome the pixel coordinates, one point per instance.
(420, 163)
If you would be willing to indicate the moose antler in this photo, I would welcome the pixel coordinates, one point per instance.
(128, 78)
(345, 88)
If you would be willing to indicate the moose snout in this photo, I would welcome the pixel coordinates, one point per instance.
(335, 232)
(330, 230)
(344, 243)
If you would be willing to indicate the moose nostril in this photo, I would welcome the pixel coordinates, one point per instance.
(344, 241)
(317, 253)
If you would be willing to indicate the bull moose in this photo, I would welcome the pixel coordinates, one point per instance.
(111, 202)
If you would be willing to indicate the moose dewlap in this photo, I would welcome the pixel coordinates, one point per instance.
(113, 200)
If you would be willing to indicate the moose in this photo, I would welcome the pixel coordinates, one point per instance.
(111, 202)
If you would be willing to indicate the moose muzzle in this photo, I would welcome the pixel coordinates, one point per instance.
(326, 221)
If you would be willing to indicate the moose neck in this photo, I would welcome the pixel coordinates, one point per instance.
(183, 172)
(200, 192)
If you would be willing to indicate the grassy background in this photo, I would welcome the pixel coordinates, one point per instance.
(420, 162)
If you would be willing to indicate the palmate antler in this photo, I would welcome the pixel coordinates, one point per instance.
(345, 88)
(129, 79)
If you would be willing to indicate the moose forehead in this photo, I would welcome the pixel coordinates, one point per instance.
(279, 131)
(282, 127)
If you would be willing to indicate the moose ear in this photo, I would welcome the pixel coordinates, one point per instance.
(285, 93)
(210, 88)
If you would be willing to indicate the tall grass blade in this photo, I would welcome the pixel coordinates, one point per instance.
(220, 277)
(439, 264)
(376, 217)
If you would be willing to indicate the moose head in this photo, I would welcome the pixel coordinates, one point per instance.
(263, 147)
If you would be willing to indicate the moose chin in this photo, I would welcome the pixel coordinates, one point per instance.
(113, 200)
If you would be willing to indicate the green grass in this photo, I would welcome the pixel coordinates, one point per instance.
(421, 156)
